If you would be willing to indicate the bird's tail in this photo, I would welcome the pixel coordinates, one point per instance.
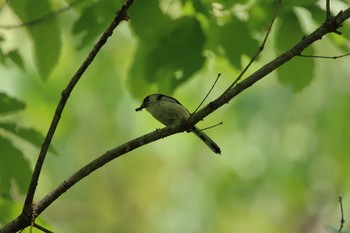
(207, 140)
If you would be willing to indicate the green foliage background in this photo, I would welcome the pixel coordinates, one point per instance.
(285, 141)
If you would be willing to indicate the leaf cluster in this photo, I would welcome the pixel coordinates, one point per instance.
(175, 38)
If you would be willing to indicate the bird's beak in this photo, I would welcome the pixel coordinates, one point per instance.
(140, 108)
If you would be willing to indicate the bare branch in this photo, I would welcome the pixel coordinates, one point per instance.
(328, 9)
(212, 126)
(43, 229)
(261, 48)
(216, 80)
(342, 220)
(325, 57)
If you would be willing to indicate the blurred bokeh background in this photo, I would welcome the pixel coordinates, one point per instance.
(284, 141)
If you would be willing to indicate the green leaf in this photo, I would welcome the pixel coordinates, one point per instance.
(94, 19)
(13, 167)
(341, 42)
(11, 56)
(14, 56)
(260, 16)
(2, 58)
(289, 32)
(29, 134)
(317, 14)
(45, 35)
(168, 62)
(9, 209)
(160, 22)
(297, 73)
(298, 3)
(9, 104)
(236, 39)
(137, 83)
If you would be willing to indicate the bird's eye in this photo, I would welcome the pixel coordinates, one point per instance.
(146, 100)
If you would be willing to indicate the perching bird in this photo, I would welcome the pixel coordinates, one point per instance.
(169, 111)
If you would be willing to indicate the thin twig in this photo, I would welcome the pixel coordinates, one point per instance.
(43, 229)
(43, 18)
(216, 80)
(328, 9)
(120, 16)
(325, 57)
(261, 48)
(206, 128)
(342, 220)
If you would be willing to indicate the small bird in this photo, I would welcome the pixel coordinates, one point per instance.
(169, 111)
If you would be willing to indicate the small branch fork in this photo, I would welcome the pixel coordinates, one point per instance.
(328, 9)
(333, 24)
(342, 220)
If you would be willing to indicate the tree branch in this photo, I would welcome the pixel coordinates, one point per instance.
(331, 25)
(27, 213)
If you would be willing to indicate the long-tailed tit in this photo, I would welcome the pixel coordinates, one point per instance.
(169, 111)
